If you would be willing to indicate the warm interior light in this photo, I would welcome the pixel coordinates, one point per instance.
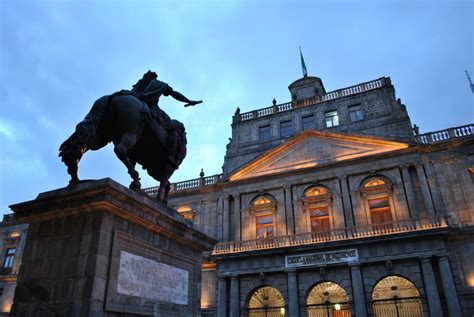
(14, 234)
(470, 280)
(337, 307)
(7, 305)
(282, 311)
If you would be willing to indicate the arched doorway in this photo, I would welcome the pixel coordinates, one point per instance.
(266, 302)
(328, 299)
(396, 296)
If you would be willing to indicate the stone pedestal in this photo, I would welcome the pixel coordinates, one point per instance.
(100, 249)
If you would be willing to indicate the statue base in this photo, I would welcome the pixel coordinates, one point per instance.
(100, 249)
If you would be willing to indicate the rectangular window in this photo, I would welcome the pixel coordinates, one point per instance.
(286, 129)
(319, 219)
(264, 133)
(308, 122)
(355, 113)
(380, 213)
(332, 119)
(8, 264)
(264, 226)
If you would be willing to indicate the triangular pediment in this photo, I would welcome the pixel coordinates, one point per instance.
(314, 148)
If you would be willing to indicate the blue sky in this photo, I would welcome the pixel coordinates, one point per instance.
(58, 57)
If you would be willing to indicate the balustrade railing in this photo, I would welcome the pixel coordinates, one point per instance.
(188, 184)
(332, 235)
(443, 135)
(312, 100)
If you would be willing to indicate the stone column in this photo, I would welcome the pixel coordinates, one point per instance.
(358, 291)
(293, 307)
(346, 198)
(226, 219)
(234, 296)
(425, 191)
(222, 297)
(237, 225)
(431, 290)
(449, 288)
(410, 192)
(290, 227)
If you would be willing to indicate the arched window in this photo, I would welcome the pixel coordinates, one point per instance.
(377, 193)
(317, 206)
(328, 299)
(396, 296)
(266, 301)
(264, 209)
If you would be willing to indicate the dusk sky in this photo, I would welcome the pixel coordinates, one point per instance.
(58, 57)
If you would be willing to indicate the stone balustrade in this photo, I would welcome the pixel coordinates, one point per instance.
(380, 229)
(188, 184)
(444, 135)
(340, 93)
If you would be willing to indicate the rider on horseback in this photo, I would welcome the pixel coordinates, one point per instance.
(149, 90)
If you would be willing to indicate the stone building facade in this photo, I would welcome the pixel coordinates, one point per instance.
(330, 205)
(13, 238)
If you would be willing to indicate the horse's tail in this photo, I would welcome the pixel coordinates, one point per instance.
(77, 144)
(182, 141)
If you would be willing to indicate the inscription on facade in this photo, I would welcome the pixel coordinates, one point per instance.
(153, 280)
(323, 258)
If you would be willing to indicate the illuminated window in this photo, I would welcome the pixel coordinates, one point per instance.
(332, 119)
(266, 301)
(374, 182)
(264, 226)
(8, 263)
(262, 201)
(308, 122)
(378, 203)
(319, 219)
(14, 234)
(328, 299)
(286, 129)
(187, 212)
(264, 133)
(396, 296)
(264, 209)
(317, 202)
(355, 113)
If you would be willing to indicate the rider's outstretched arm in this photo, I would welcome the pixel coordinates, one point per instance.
(180, 97)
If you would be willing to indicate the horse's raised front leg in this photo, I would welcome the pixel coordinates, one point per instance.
(127, 141)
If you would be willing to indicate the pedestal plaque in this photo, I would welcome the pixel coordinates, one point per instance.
(100, 249)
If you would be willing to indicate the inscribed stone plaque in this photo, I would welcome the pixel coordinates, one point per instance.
(142, 277)
(323, 258)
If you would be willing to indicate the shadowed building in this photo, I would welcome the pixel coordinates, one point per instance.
(13, 237)
(330, 205)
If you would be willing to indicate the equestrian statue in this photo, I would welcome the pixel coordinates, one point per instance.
(139, 129)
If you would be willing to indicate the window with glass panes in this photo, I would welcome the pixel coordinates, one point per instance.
(264, 133)
(8, 263)
(264, 226)
(332, 119)
(319, 219)
(286, 129)
(355, 113)
(380, 210)
(308, 122)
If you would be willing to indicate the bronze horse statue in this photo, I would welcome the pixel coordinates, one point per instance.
(140, 131)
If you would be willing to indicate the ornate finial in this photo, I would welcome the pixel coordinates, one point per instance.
(237, 111)
(202, 173)
(274, 102)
